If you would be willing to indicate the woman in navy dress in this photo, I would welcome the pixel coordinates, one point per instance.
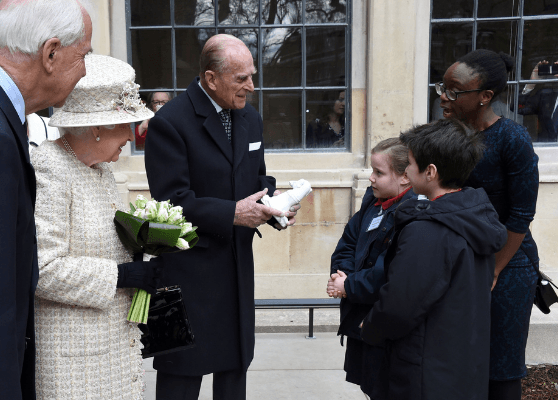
(509, 174)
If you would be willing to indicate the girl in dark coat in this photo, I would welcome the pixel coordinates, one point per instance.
(508, 172)
(433, 314)
(357, 265)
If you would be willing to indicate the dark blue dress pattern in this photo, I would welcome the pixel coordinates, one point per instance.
(509, 174)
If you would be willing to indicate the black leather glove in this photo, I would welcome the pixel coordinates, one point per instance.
(144, 275)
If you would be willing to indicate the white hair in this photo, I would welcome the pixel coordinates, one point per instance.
(80, 130)
(26, 25)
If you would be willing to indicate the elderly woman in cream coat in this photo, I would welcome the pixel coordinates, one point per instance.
(85, 347)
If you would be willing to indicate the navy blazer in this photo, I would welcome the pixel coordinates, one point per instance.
(190, 161)
(18, 265)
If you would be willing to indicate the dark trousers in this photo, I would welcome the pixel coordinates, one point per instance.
(227, 385)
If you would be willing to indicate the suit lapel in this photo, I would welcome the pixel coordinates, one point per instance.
(239, 136)
(20, 133)
(212, 124)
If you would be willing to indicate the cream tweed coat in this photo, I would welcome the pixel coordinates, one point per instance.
(85, 347)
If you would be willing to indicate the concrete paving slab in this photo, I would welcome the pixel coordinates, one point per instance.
(287, 366)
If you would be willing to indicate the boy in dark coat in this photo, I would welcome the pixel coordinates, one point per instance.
(433, 314)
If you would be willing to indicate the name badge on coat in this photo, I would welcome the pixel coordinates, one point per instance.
(375, 223)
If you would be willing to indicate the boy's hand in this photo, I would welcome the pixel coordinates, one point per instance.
(329, 289)
(336, 285)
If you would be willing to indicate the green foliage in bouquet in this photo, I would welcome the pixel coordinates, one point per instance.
(154, 228)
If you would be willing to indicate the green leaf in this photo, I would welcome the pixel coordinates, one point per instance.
(132, 208)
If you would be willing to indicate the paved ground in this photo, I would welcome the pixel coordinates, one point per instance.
(287, 366)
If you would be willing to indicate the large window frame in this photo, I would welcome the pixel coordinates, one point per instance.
(304, 89)
(518, 83)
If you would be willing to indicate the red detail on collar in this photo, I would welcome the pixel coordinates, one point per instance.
(387, 203)
(437, 197)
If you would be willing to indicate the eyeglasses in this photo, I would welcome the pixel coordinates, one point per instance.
(159, 102)
(452, 94)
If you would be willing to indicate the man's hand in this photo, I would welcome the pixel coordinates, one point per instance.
(290, 215)
(336, 285)
(252, 214)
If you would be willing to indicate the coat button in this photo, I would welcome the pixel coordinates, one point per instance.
(370, 263)
(384, 229)
(132, 342)
(134, 378)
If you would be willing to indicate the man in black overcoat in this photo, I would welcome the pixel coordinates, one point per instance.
(217, 175)
(30, 80)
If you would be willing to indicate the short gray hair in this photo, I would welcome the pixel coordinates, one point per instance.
(25, 26)
(80, 130)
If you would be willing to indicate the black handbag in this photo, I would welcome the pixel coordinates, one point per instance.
(168, 328)
(545, 295)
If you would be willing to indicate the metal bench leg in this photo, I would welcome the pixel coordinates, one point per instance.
(310, 324)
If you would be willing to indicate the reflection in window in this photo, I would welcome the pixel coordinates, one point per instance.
(277, 12)
(152, 57)
(282, 120)
(299, 50)
(326, 119)
(325, 54)
(326, 11)
(531, 97)
(238, 12)
(194, 12)
(282, 57)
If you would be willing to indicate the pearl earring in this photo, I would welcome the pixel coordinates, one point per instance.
(98, 138)
(482, 104)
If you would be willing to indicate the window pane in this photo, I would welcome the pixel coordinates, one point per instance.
(498, 36)
(189, 44)
(325, 56)
(435, 112)
(282, 120)
(282, 57)
(152, 58)
(250, 39)
(238, 12)
(254, 100)
(540, 7)
(194, 12)
(150, 12)
(325, 118)
(326, 11)
(452, 9)
(539, 43)
(448, 43)
(498, 8)
(537, 107)
(281, 12)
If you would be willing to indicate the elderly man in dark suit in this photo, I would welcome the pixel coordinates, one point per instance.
(34, 74)
(205, 153)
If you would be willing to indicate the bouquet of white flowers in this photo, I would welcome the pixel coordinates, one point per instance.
(152, 227)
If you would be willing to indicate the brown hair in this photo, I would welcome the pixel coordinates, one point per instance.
(397, 152)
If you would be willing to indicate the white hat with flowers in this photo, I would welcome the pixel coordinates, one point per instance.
(107, 95)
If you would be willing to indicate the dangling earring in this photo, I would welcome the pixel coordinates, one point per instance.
(98, 138)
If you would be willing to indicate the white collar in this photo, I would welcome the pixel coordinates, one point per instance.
(13, 93)
(217, 106)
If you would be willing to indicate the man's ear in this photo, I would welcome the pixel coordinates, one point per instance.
(49, 53)
(431, 173)
(210, 79)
